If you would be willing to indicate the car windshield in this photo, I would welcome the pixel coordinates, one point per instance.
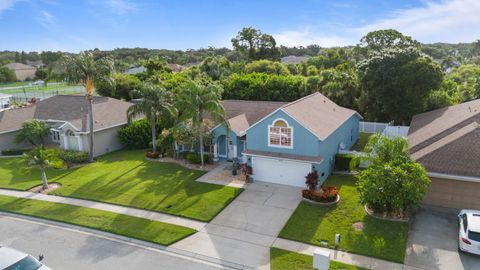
(27, 263)
(475, 236)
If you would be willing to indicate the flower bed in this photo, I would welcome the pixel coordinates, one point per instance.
(325, 195)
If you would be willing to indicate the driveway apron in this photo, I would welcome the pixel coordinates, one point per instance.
(246, 229)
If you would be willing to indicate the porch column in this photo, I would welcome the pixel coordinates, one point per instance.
(215, 152)
(80, 142)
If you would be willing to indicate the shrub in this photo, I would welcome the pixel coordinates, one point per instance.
(153, 155)
(194, 158)
(312, 180)
(136, 135)
(14, 152)
(327, 194)
(71, 156)
(346, 162)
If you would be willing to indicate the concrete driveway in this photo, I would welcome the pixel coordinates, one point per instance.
(432, 242)
(246, 229)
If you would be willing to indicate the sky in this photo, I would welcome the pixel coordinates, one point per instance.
(74, 25)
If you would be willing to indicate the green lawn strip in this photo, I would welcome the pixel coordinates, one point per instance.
(134, 227)
(361, 142)
(286, 260)
(126, 178)
(14, 175)
(314, 224)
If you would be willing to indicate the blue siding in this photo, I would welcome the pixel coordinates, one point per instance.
(304, 142)
(217, 137)
(347, 134)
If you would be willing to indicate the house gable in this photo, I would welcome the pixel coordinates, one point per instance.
(303, 142)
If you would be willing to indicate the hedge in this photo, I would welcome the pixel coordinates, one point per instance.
(346, 162)
(193, 157)
(71, 156)
(14, 152)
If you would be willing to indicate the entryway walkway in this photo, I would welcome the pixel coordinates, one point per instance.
(197, 225)
(222, 175)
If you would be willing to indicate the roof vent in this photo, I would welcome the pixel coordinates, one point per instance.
(324, 101)
(333, 109)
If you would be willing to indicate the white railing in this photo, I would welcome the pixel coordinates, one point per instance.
(372, 127)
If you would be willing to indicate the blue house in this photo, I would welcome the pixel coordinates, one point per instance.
(283, 142)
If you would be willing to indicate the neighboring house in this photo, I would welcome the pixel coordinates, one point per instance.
(447, 143)
(292, 59)
(283, 142)
(67, 118)
(135, 70)
(4, 101)
(22, 71)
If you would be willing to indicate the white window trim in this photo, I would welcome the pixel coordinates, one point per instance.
(288, 126)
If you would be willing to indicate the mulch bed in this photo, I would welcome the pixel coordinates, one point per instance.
(51, 187)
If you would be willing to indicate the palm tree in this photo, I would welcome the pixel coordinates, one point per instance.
(156, 102)
(197, 100)
(88, 70)
(39, 157)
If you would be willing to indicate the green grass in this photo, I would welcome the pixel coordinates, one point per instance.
(134, 227)
(126, 178)
(62, 87)
(313, 224)
(13, 84)
(286, 260)
(14, 175)
(362, 141)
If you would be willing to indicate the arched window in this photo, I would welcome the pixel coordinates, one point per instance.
(69, 133)
(280, 134)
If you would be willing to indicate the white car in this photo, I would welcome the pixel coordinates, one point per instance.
(469, 231)
(12, 259)
(39, 83)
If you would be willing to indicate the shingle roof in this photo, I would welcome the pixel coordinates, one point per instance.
(107, 112)
(319, 114)
(18, 66)
(238, 124)
(253, 110)
(447, 140)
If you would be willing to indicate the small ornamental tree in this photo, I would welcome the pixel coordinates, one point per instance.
(32, 131)
(393, 182)
(312, 180)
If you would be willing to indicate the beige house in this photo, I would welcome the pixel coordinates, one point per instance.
(447, 143)
(66, 116)
(22, 71)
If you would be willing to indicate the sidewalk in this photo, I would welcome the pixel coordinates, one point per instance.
(341, 256)
(166, 218)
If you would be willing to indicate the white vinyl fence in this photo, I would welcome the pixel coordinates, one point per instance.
(384, 128)
(395, 131)
(372, 127)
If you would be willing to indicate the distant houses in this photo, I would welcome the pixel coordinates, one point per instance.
(22, 72)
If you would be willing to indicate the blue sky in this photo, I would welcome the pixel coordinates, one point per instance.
(73, 25)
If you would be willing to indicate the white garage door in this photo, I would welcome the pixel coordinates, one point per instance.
(280, 171)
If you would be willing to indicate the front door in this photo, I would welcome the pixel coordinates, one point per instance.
(232, 149)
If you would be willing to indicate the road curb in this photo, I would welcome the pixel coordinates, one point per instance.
(187, 255)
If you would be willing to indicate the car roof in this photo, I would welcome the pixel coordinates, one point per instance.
(9, 256)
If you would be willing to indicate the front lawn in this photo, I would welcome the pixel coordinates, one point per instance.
(286, 260)
(314, 224)
(361, 142)
(134, 227)
(13, 174)
(126, 178)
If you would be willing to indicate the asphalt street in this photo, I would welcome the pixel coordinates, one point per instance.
(65, 248)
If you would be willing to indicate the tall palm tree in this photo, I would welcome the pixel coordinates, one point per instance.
(156, 102)
(40, 158)
(89, 70)
(197, 100)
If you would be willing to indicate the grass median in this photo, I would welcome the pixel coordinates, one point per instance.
(287, 260)
(134, 227)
